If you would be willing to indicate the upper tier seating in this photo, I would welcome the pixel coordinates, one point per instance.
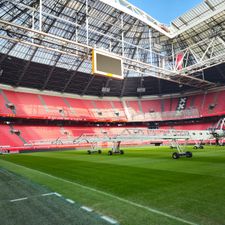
(3, 109)
(54, 107)
(26, 105)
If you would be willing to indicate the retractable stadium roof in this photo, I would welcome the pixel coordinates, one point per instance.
(46, 44)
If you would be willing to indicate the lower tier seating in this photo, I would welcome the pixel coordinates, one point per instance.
(18, 137)
(29, 136)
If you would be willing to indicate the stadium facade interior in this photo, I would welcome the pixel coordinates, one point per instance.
(102, 76)
(172, 77)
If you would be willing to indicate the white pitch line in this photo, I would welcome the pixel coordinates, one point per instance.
(87, 209)
(70, 201)
(18, 199)
(47, 194)
(108, 219)
(149, 209)
(57, 194)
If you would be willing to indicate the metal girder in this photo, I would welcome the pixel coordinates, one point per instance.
(207, 58)
(72, 76)
(200, 20)
(99, 39)
(81, 62)
(207, 2)
(125, 78)
(137, 135)
(130, 64)
(220, 72)
(51, 71)
(123, 85)
(32, 56)
(128, 134)
(55, 64)
(88, 85)
(130, 9)
(6, 55)
(24, 70)
(11, 20)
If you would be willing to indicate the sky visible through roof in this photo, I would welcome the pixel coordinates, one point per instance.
(165, 11)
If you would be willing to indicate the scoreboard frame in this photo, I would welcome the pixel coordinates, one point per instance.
(95, 71)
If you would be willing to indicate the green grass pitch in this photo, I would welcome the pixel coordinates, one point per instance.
(144, 186)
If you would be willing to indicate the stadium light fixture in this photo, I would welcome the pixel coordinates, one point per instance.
(141, 90)
(105, 90)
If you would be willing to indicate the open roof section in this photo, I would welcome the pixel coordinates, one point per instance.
(199, 14)
(132, 10)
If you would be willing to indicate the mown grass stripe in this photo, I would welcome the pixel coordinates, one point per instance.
(152, 210)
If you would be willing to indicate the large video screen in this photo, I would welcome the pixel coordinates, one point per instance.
(106, 64)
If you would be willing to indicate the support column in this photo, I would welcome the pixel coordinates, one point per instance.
(150, 45)
(87, 23)
(122, 35)
(40, 15)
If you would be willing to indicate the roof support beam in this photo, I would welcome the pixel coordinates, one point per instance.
(137, 13)
(11, 20)
(88, 11)
(56, 61)
(209, 5)
(200, 20)
(32, 56)
(88, 85)
(57, 57)
(72, 76)
(137, 66)
(7, 54)
(125, 78)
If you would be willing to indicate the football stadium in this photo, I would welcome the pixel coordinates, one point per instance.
(108, 116)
